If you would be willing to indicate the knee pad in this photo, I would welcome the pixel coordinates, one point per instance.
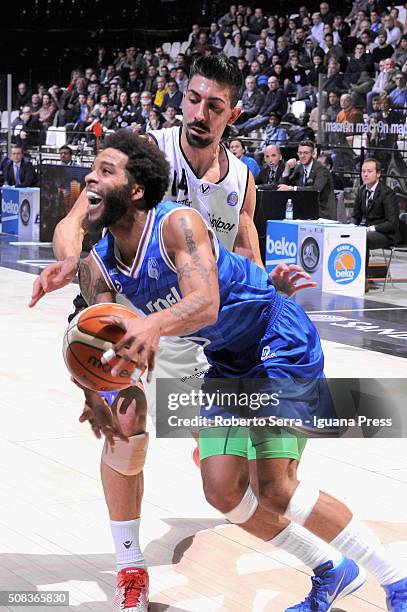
(302, 503)
(127, 458)
(245, 510)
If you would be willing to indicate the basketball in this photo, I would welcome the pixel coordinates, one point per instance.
(87, 338)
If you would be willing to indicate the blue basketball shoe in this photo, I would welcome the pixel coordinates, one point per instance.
(330, 584)
(396, 596)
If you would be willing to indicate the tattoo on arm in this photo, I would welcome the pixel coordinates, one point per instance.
(185, 271)
(92, 288)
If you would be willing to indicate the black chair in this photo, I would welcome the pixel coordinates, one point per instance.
(397, 248)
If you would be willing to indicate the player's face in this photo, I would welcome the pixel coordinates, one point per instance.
(206, 111)
(109, 191)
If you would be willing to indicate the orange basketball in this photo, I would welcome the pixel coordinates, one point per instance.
(85, 341)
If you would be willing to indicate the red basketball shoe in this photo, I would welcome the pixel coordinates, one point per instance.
(132, 590)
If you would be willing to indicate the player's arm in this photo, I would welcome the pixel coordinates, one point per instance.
(93, 286)
(189, 247)
(247, 239)
(67, 245)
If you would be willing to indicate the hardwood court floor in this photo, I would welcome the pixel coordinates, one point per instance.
(54, 531)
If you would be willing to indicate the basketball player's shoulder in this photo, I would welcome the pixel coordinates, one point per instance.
(165, 135)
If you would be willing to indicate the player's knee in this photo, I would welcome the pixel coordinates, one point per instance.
(275, 496)
(126, 458)
(224, 494)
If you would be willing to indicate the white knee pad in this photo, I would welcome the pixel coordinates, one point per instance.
(245, 510)
(127, 458)
(302, 503)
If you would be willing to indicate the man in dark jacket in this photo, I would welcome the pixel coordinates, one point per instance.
(310, 174)
(275, 102)
(273, 167)
(377, 208)
(28, 131)
(19, 171)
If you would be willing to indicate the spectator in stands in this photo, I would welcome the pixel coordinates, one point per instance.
(310, 174)
(360, 89)
(256, 24)
(150, 82)
(234, 46)
(272, 168)
(360, 62)
(348, 113)
(35, 104)
(335, 79)
(238, 149)
(216, 38)
(375, 23)
(23, 96)
(376, 207)
(173, 97)
(333, 107)
(226, 22)
(313, 74)
(301, 130)
(282, 49)
(65, 156)
(275, 101)
(160, 92)
(140, 120)
(317, 30)
(325, 12)
(155, 120)
(201, 45)
(341, 28)
(134, 82)
(395, 13)
(399, 95)
(27, 131)
(3, 162)
(382, 50)
(335, 52)
(392, 31)
(19, 171)
(273, 134)
(384, 82)
(181, 79)
(308, 52)
(251, 101)
(295, 76)
(400, 54)
(170, 117)
(243, 66)
(47, 111)
(80, 121)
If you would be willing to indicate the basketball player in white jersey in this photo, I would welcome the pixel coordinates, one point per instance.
(207, 177)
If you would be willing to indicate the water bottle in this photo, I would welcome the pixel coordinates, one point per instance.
(289, 209)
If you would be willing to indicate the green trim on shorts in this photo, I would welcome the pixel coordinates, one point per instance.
(252, 443)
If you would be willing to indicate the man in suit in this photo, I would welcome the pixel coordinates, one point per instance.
(273, 167)
(19, 171)
(309, 174)
(377, 208)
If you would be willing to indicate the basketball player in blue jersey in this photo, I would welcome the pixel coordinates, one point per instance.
(195, 152)
(231, 303)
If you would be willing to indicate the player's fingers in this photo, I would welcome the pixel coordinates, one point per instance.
(301, 286)
(299, 276)
(150, 366)
(37, 293)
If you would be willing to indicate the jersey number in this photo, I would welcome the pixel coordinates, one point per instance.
(182, 185)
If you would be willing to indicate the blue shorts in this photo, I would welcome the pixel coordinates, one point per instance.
(286, 368)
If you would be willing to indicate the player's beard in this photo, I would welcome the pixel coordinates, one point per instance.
(198, 142)
(116, 203)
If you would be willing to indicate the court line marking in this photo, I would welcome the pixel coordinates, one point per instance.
(355, 310)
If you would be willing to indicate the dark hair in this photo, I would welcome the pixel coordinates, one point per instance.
(307, 143)
(376, 163)
(221, 69)
(238, 140)
(66, 148)
(146, 165)
(328, 160)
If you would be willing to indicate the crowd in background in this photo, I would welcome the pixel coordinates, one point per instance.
(362, 57)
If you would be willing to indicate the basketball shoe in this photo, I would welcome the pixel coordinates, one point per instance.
(132, 590)
(396, 596)
(330, 584)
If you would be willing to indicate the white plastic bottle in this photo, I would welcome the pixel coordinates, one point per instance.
(289, 209)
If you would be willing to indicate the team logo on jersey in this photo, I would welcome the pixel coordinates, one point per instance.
(267, 353)
(153, 270)
(204, 188)
(219, 225)
(118, 286)
(344, 263)
(232, 198)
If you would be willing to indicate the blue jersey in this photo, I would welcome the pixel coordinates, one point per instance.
(248, 299)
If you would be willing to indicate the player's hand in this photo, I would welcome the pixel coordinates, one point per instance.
(54, 276)
(139, 344)
(285, 279)
(100, 416)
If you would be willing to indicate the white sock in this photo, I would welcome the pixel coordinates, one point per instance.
(359, 543)
(126, 541)
(307, 547)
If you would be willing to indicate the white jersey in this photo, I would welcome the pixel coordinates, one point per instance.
(220, 202)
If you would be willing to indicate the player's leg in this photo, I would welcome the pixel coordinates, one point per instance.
(123, 484)
(230, 485)
(281, 492)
